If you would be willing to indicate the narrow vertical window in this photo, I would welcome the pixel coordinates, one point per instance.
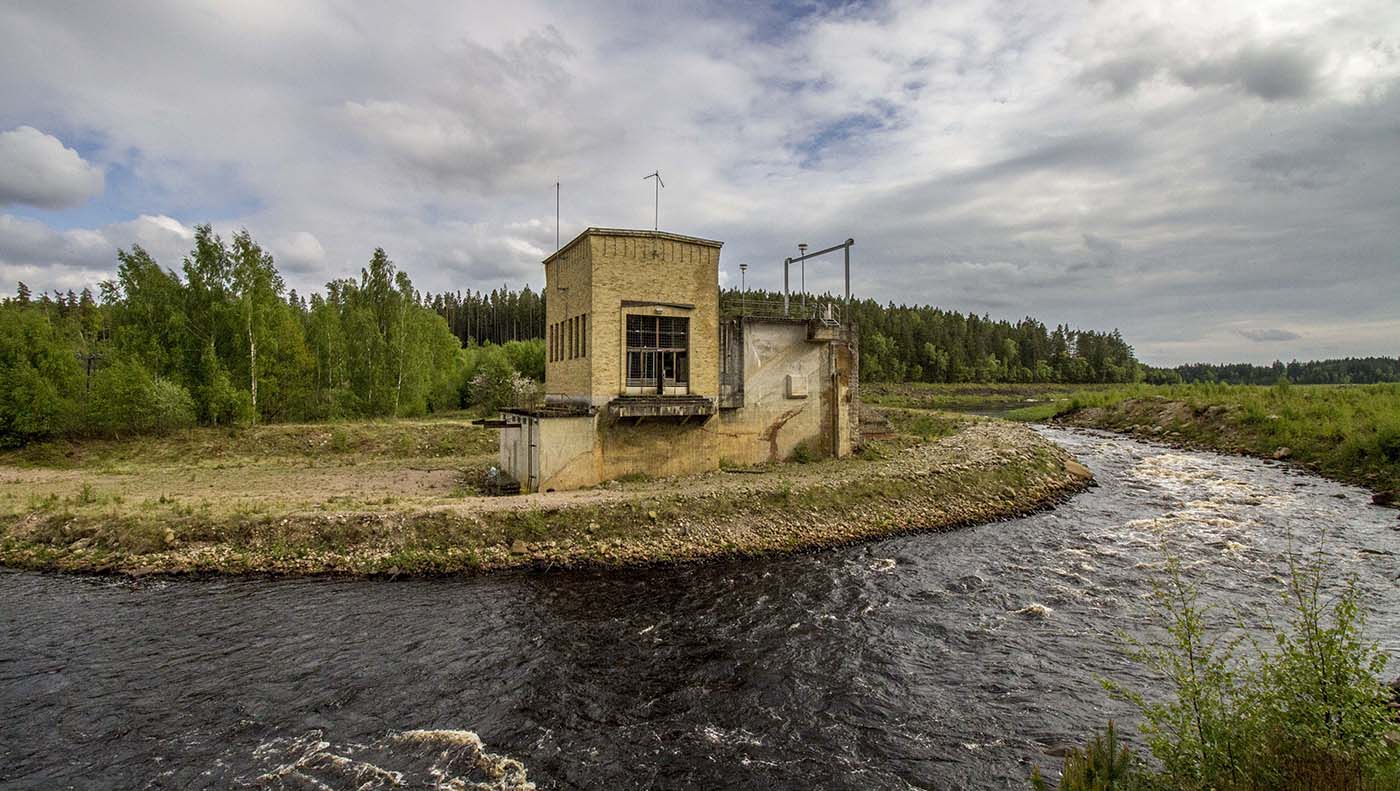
(583, 335)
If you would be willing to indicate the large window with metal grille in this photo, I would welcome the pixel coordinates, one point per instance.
(658, 351)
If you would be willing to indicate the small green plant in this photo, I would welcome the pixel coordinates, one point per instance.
(806, 452)
(87, 496)
(1106, 764)
(340, 439)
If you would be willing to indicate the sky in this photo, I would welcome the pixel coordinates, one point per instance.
(1219, 181)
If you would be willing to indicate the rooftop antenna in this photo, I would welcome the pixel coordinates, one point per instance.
(656, 207)
(556, 216)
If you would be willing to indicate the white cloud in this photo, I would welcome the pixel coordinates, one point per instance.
(42, 257)
(299, 252)
(38, 170)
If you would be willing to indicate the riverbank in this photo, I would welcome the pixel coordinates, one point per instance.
(408, 506)
(1350, 433)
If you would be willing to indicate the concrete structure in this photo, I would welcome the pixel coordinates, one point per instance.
(645, 376)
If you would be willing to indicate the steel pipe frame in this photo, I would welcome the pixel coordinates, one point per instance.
(788, 262)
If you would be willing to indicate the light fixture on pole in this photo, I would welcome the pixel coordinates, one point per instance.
(802, 250)
(743, 289)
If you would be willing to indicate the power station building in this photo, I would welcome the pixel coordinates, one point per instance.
(647, 374)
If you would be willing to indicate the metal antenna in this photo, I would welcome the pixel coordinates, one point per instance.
(556, 216)
(656, 208)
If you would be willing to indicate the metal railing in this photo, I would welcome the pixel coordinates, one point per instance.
(825, 312)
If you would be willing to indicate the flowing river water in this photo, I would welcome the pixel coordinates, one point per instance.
(940, 660)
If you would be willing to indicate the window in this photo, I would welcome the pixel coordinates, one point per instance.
(658, 351)
(583, 335)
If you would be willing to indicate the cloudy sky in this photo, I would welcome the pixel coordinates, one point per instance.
(1221, 181)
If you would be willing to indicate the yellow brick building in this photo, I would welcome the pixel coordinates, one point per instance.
(644, 375)
(631, 313)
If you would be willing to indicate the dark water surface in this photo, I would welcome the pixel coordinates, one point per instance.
(928, 661)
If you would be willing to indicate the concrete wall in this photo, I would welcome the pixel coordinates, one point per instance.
(780, 366)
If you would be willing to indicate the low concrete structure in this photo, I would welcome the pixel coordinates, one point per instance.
(645, 376)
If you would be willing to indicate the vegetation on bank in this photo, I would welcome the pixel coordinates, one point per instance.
(224, 343)
(396, 498)
(1303, 709)
(1349, 433)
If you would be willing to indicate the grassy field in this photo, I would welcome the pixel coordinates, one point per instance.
(1347, 432)
(976, 398)
(218, 473)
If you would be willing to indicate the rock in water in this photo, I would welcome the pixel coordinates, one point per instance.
(1078, 470)
(1282, 453)
(1385, 498)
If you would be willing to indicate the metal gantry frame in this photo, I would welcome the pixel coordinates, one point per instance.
(788, 262)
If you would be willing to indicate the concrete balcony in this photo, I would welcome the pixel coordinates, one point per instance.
(677, 408)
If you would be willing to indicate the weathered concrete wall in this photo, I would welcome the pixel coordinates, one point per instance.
(567, 453)
(515, 447)
(780, 365)
(577, 452)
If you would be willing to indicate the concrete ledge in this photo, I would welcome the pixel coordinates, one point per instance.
(661, 406)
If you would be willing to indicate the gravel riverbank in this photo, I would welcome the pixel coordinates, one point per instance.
(988, 470)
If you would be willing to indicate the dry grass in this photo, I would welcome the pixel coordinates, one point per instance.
(261, 470)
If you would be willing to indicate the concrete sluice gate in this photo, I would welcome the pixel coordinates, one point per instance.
(645, 375)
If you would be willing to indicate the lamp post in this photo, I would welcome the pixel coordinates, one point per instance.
(802, 251)
(743, 289)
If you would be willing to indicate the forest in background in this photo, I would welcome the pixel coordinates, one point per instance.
(222, 341)
(921, 343)
(1346, 371)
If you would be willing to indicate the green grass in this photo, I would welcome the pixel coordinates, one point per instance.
(1347, 432)
(966, 397)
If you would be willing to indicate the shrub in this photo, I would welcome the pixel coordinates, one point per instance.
(1105, 764)
(126, 398)
(1308, 713)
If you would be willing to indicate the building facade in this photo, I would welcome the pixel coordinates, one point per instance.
(644, 375)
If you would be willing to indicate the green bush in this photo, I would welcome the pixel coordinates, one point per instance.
(126, 398)
(1306, 713)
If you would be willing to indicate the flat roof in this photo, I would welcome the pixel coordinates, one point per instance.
(674, 237)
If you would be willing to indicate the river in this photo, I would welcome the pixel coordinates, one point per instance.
(941, 660)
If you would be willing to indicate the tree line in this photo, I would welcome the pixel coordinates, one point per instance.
(223, 341)
(1349, 370)
(921, 343)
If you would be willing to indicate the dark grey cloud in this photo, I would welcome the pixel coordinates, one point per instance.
(1268, 335)
(1276, 72)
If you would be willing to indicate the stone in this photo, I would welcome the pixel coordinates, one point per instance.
(1282, 453)
(169, 537)
(518, 547)
(1078, 470)
(1385, 498)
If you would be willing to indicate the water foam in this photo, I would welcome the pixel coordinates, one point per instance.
(452, 760)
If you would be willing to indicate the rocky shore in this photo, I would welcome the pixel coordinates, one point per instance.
(988, 470)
